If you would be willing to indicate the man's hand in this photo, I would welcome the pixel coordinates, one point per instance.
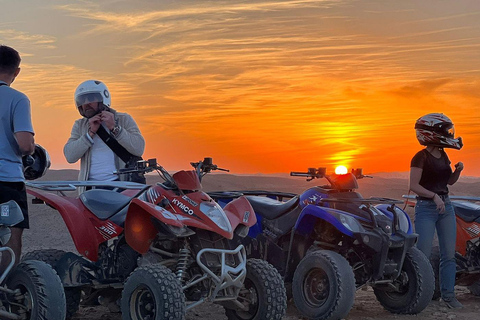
(108, 119)
(94, 123)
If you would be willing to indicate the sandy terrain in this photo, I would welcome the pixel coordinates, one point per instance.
(49, 231)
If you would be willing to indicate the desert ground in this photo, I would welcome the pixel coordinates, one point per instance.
(47, 230)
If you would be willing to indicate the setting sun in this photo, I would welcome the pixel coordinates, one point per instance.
(341, 170)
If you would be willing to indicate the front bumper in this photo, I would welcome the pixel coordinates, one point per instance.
(388, 251)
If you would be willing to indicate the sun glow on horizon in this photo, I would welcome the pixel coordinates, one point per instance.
(262, 88)
(341, 170)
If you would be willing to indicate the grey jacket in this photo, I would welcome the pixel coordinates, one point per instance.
(78, 146)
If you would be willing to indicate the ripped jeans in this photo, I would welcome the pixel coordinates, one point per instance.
(427, 219)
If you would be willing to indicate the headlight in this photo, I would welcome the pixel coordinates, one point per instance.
(403, 220)
(213, 211)
(350, 223)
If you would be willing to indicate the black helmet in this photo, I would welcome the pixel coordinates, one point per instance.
(436, 129)
(37, 164)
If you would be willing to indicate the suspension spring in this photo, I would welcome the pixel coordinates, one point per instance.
(182, 264)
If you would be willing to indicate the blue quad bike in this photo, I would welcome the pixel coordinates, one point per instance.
(329, 242)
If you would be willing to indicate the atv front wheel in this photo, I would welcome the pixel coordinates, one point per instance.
(51, 257)
(324, 286)
(415, 286)
(41, 292)
(263, 293)
(152, 292)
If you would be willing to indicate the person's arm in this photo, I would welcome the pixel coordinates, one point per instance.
(414, 183)
(456, 174)
(26, 142)
(129, 136)
(22, 126)
(77, 144)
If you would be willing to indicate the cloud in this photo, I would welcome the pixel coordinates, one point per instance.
(27, 40)
(421, 88)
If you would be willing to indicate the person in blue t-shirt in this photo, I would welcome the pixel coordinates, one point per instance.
(16, 140)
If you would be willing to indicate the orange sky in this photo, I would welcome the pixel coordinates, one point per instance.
(260, 86)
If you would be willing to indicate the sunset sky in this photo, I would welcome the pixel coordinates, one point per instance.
(260, 86)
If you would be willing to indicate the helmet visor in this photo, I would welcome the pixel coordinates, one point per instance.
(445, 129)
(450, 131)
(88, 98)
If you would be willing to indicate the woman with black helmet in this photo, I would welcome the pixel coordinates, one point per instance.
(430, 175)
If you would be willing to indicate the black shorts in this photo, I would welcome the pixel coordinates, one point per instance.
(16, 191)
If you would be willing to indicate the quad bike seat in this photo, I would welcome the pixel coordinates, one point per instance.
(271, 209)
(468, 211)
(104, 203)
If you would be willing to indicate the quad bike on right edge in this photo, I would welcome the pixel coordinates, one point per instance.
(467, 248)
(329, 242)
(158, 250)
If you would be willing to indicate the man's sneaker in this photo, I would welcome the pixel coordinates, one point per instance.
(452, 303)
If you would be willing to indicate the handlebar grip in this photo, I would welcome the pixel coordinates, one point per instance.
(299, 174)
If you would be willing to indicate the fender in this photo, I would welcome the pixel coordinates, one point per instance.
(139, 229)
(78, 221)
(187, 180)
(385, 208)
(240, 211)
(311, 213)
(465, 233)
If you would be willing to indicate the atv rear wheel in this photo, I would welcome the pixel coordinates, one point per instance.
(475, 288)
(42, 296)
(51, 257)
(435, 262)
(324, 285)
(263, 293)
(414, 286)
(152, 292)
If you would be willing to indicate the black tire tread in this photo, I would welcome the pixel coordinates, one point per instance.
(49, 298)
(157, 276)
(51, 257)
(424, 286)
(346, 284)
(272, 296)
(435, 262)
(475, 288)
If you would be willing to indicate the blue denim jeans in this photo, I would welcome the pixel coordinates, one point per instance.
(427, 219)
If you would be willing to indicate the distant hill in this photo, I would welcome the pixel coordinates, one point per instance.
(389, 185)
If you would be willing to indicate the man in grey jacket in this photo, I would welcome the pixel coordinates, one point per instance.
(97, 160)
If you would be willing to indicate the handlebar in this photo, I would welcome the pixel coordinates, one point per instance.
(206, 166)
(317, 173)
(141, 166)
(312, 173)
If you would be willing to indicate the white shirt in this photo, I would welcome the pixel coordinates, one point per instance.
(102, 163)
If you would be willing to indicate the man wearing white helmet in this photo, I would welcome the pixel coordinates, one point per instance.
(430, 175)
(97, 160)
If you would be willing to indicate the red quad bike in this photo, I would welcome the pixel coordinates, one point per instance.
(467, 255)
(163, 249)
(32, 290)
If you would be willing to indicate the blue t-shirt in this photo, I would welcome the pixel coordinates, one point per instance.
(15, 116)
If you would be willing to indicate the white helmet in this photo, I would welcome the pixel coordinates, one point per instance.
(436, 129)
(92, 91)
